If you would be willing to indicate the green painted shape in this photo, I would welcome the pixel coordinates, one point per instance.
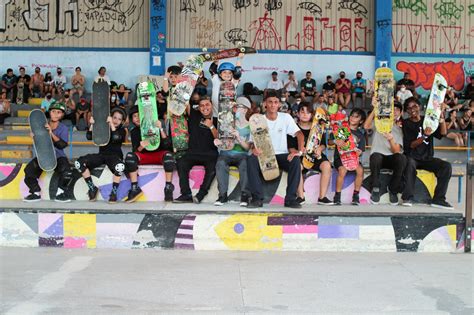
(148, 115)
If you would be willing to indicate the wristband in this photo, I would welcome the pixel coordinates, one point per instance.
(212, 127)
(300, 153)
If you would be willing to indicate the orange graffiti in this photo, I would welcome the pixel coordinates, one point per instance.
(422, 73)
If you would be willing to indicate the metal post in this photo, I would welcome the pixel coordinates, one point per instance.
(468, 214)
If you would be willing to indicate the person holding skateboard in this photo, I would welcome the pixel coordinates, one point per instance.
(418, 147)
(59, 135)
(280, 125)
(141, 156)
(110, 155)
(387, 152)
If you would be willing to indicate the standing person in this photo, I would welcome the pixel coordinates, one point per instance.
(291, 84)
(237, 156)
(280, 125)
(102, 76)
(359, 86)
(9, 81)
(110, 155)
(78, 80)
(419, 149)
(141, 156)
(343, 89)
(387, 152)
(308, 86)
(59, 135)
(59, 82)
(201, 151)
(37, 83)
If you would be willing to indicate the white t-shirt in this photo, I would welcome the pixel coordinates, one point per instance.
(403, 96)
(278, 129)
(276, 85)
(292, 87)
(60, 80)
(104, 78)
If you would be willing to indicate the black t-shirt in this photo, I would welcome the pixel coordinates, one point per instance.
(293, 141)
(308, 85)
(136, 138)
(201, 140)
(114, 147)
(329, 86)
(162, 109)
(414, 130)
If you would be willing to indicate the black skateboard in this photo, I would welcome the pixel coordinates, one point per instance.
(42, 142)
(100, 112)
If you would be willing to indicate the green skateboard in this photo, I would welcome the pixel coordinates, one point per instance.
(148, 115)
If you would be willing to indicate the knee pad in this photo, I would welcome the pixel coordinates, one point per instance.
(131, 162)
(80, 165)
(169, 162)
(119, 168)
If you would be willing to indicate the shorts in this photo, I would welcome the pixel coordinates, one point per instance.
(317, 164)
(155, 157)
(338, 163)
(95, 160)
(359, 94)
(78, 87)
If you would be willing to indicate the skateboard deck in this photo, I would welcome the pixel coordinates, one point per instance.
(100, 112)
(148, 115)
(314, 139)
(227, 53)
(261, 137)
(433, 109)
(341, 131)
(225, 116)
(179, 135)
(19, 94)
(42, 141)
(384, 87)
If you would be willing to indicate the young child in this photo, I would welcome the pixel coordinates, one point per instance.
(110, 154)
(356, 119)
(321, 162)
(59, 135)
(141, 156)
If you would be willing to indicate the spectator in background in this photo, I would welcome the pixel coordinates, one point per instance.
(83, 109)
(70, 112)
(4, 106)
(403, 94)
(320, 103)
(469, 91)
(78, 81)
(408, 83)
(453, 129)
(48, 99)
(275, 83)
(48, 83)
(26, 79)
(308, 86)
(329, 88)
(291, 84)
(343, 89)
(9, 81)
(162, 105)
(359, 86)
(102, 76)
(201, 84)
(121, 94)
(59, 82)
(37, 83)
(467, 121)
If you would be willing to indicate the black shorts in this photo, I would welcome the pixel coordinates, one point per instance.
(95, 160)
(317, 164)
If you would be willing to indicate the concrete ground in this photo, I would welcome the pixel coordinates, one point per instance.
(59, 281)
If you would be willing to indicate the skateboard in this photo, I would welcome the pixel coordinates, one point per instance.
(100, 112)
(384, 87)
(341, 131)
(42, 141)
(314, 139)
(227, 53)
(157, 80)
(179, 134)
(225, 116)
(433, 109)
(261, 137)
(148, 115)
(19, 95)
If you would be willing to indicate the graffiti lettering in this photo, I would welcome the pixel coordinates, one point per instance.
(273, 5)
(329, 4)
(471, 9)
(215, 5)
(36, 17)
(206, 30)
(448, 10)
(311, 7)
(328, 35)
(187, 6)
(422, 73)
(71, 8)
(353, 5)
(3, 14)
(241, 4)
(266, 35)
(235, 36)
(416, 6)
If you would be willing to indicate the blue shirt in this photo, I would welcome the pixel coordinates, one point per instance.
(62, 133)
(355, 83)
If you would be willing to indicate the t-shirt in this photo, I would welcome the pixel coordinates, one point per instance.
(114, 146)
(276, 85)
(105, 78)
(9, 80)
(279, 128)
(292, 86)
(59, 80)
(382, 146)
(355, 84)
(404, 95)
(293, 142)
(329, 86)
(162, 109)
(359, 138)
(414, 130)
(62, 133)
(343, 88)
(45, 104)
(308, 85)
(201, 140)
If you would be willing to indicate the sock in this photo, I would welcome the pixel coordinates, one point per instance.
(338, 194)
(356, 192)
(134, 186)
(114, 188)
(89, 182)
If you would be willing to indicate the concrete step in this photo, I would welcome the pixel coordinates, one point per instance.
(35, 101)
(16, 154)
(16, 121)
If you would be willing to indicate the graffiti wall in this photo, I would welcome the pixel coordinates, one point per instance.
(434, 27)
(75, 23)
(422, 70)
(321, 25)
(257, 232)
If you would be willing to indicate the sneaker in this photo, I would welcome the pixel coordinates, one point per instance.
(33, 197)
(355, 200)
(293, 204)
(337, 200)
(325, 201)
(244, 200)
(407, 203)
(197, 198)
(222, 200)
(134, 194)
(62, 197)
(255, 204)
(393, 197)
(93, 193)
(300, 200)
(442, 204)
(184, 199)
(169, 188)
(112, 198)
(375, 196)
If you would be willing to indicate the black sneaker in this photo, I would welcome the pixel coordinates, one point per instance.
(134, 194)
(222, 200)
(184, 199)
(300, 200)
(113, 198)
(375, 196)
(407, 203)
(442, 204)
(255, 204)
(93, 193)
(393, 197)
(32, 198)
(244, 200)
(62, 197)
(197, 198)
(169, 188)
(337, 200)
(355, 200)
(325, 201)
(293, 204)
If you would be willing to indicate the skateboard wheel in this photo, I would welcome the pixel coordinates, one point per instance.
(242, 49)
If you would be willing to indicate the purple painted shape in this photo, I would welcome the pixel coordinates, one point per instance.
(55, 229)
(239, 228)
(184, 236)
(293, 220)
(348, 180)
(125, 186)
(183, 246)
(54, 241)
(338, 231)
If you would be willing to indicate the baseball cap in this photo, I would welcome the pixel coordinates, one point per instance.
(242, 100)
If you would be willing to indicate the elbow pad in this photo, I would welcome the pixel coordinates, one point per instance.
(237, 72)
